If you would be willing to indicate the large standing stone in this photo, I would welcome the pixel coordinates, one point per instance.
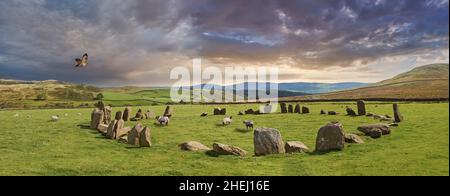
(268, 141)
(361, 108)
(168, 112)
(127, 114)
(194, 146)
(97, 116)
(283, 108)
(352, 138)
(296, 147)
(397, 115)
(145, 138)
(224, 149)
(108, 114)
(330, 137)
(305, 110)
(291, 108)
(351, 112)
(111, 134)
(134, 135)
(297, 109)
(375, 130)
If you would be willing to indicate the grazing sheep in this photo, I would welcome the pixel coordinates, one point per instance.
(66, 114)
(16, 115)
(55, 118)
(163, 120)
(227, 121)
(249, 124)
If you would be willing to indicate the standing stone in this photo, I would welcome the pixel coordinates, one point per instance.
(249, 111)
(223, 111)
(149, 115)
(139, 115)
(168, 112)
(283, 108)
(297, 109)
(127, 114)
(217, 111)
(145, 138)
(296, 147)
(322, 112)
(134, 135)
(119, 115)
(108, 114)
(111, 132)
(330, 137)
(351, 112)
(361, 108)
(268, 141)
(397, 115)
(223, 149)
(291, 108)
(96, 118)
(120, 130)
(268, 109)
(305, 110)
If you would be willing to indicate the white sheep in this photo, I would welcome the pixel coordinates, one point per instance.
(249, 124)
(55, 118)
(16, 115)
(227, 121)
(163, 120)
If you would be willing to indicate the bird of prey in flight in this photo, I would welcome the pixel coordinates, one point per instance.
(83, 61)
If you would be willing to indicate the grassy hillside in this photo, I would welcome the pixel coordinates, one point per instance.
(426, 82)
(32, 145)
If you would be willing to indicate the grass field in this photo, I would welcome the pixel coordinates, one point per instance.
(32, 145)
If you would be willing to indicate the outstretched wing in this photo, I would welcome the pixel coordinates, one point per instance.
(78, 62)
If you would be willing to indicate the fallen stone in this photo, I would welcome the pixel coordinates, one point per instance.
(194, 146)
(223, 149)
(296, 147)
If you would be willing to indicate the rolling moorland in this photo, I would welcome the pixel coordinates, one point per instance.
(429, 82)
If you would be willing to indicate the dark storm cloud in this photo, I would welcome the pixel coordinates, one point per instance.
(138, 41)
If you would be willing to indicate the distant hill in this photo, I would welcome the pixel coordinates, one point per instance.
(426, 82)
(295, 88)
(13, 90)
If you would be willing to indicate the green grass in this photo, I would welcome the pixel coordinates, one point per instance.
(36, 146)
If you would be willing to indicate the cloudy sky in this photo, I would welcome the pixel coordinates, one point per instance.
(138, 42)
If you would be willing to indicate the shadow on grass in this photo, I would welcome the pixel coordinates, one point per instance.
(212, 153)
(319, 153)
(159, 125)
(241, 130)
(84, 126)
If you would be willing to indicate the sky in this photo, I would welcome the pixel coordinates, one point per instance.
(138, 42)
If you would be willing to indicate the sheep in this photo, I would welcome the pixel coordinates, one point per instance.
(66, 114)
(16, 115)
(227, 121)
(249, 124)
(163, 120)
(55, 118)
